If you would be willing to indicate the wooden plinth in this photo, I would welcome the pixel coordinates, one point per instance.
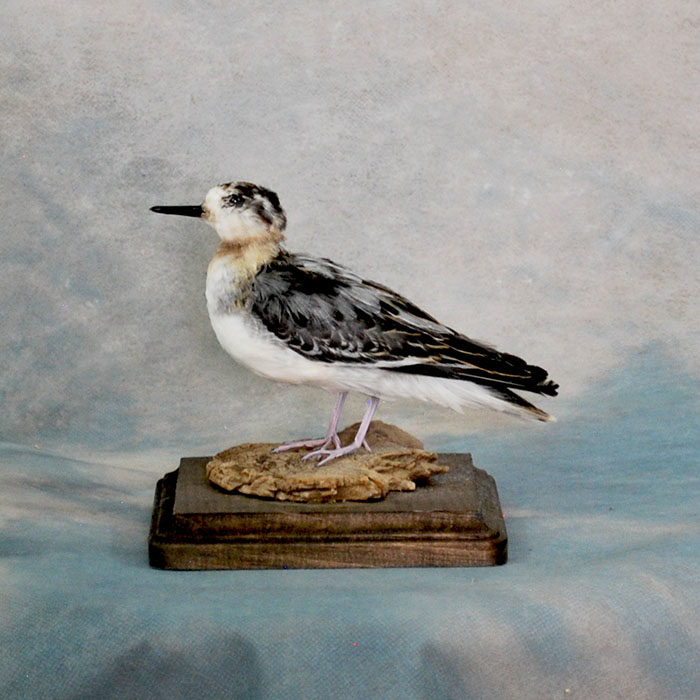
(455, 520)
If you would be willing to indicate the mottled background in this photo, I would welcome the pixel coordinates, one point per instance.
(528, 175)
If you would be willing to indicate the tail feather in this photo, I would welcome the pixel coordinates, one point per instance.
(549, 388)
(537, 381)
(530, 409)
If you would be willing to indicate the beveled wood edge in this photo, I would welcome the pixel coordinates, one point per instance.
(322, 527)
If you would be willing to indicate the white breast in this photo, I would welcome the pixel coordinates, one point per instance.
(245, 338)
(262, 352)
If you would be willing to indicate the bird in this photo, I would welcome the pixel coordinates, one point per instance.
(299, 319)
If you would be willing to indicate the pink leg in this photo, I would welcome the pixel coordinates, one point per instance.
(328, 455)
(331, 436)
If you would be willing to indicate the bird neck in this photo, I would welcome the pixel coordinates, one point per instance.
(248, 255)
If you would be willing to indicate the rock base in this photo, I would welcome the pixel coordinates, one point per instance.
(396, 463)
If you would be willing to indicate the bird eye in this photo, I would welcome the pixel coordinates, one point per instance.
(234, 200)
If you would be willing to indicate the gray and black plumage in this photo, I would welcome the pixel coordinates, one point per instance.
(327, 314)
(300, 319)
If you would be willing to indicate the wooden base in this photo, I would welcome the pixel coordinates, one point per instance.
(455, 520)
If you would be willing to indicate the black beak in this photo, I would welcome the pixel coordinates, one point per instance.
(194, 210)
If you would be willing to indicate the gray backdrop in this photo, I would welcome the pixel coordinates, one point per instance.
(530, 177)
(528, 174)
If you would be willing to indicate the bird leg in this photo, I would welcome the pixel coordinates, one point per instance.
(331, 436)
(326, 455)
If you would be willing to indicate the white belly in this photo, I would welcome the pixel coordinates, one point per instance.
(262, 352)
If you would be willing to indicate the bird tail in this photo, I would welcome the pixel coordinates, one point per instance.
(526, 409)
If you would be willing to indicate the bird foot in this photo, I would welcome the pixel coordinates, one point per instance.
(321, 443)
(326, 455)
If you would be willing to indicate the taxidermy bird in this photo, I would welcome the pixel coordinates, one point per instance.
(299, 319)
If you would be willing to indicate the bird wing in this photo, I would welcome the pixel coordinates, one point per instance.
(326, 313)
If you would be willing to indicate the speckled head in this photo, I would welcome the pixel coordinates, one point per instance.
(238, 211)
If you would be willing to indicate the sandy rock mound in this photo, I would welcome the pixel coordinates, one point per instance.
(397, 460)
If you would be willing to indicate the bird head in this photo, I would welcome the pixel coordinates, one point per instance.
(238, 211)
